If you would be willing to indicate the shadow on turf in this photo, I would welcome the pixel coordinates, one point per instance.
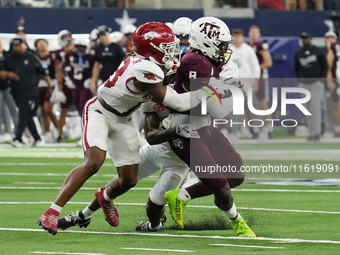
(209, 222)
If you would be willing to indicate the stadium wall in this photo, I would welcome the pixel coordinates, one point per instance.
(83, 20)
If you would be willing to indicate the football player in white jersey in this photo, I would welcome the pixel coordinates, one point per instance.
(107, 122)
(155, 155)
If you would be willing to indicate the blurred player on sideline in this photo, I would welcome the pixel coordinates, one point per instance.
(333, 76)
(65, 42)
(249, 68)
(44, 92)
(108, 56)
(265, 61)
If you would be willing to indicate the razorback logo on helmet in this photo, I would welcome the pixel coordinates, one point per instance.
(211, 30)
(151, 35)
(149, 76)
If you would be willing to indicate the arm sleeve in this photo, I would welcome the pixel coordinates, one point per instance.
(183, 102)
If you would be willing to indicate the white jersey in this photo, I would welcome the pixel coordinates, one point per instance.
(245, 59)
(119, 91)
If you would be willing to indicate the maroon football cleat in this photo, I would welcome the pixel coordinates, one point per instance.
(48, 221)
(110, 211)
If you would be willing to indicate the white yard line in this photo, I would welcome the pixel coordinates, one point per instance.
(193, 206)
(234, 190)
(71, 253)
(57, 174)
(34, 182)
(248, 246)
(288, 240)
(43, 164)
(57, 188)
(150, 249)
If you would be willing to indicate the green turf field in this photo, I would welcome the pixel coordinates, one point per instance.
(288, 219)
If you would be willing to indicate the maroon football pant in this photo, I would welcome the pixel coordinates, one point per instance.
(211, 157)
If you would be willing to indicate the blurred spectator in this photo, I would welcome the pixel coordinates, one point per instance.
(233, 3)
(331, 4)
(21, 22)
(108, 57)
(311, 68)
(24, 70)
(45, 92)
(304, 5)
(310, 5)
(271, 4)
(120, 3)
(8, 109)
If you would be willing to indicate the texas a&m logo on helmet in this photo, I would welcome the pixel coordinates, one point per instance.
(211, 30)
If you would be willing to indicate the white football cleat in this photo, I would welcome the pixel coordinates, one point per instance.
(39, 143)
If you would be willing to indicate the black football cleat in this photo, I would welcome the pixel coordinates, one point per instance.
(145, 225)
(74, 219)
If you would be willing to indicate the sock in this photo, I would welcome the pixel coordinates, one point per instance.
(184, 195)
(156, 228)
(54, 209)
(231, 213)
(107, 198)
(87, 212)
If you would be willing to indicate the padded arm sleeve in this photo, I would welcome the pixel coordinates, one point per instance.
(183, 102)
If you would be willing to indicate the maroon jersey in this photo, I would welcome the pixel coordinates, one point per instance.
(195, 66)
(80, 67)
(48, 63)
(258, 47)
(59, 54)
(335, 48)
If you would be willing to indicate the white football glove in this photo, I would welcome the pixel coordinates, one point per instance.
(229, 70)
(87, 83)
(58, 97)
(187, 131)
(69, 83)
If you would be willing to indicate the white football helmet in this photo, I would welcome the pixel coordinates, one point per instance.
(80, 45)
(61, 35)
(182, 26)
(211, 36)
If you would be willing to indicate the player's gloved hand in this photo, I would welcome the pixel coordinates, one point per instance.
(69, 83)
(58, 97)
(229, 70)
(187, 131)
(87, 83)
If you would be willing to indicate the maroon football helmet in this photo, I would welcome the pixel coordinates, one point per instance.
(156, 41)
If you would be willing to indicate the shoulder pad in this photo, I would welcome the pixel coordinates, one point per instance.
(148, 72)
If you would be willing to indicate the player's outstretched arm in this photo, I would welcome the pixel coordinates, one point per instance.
(169, 97)
(155, 135)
